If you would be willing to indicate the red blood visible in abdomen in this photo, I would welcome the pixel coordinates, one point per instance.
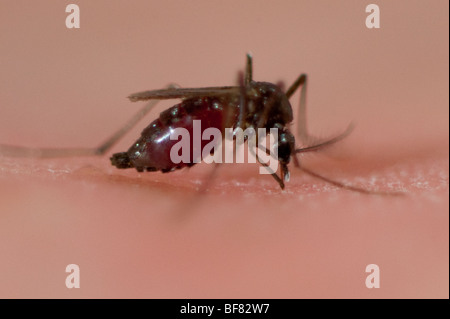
(152, 150)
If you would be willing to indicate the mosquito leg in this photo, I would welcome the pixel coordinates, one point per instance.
(301, 116)
(105, 146)
(332, 182)
(274, 174)
(20, 151)
(339, 184)
(249, 70)
(243, 83)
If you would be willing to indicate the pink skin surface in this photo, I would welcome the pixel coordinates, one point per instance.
(152, 234)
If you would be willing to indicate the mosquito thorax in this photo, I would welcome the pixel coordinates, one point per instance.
(265, 95)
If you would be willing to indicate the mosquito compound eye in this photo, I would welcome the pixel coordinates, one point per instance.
(286, 145)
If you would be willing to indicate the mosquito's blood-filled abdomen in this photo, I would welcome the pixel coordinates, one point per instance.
(152, 150)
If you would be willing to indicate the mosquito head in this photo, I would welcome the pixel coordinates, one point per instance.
(285, 145)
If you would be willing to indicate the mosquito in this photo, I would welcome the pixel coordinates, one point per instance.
(250, 104)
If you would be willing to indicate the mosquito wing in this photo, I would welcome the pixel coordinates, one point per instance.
(184, 93)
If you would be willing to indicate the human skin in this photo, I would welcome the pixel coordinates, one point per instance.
(155, 235)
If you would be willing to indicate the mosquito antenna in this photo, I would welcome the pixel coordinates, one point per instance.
(278, 179)
(329, 142)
